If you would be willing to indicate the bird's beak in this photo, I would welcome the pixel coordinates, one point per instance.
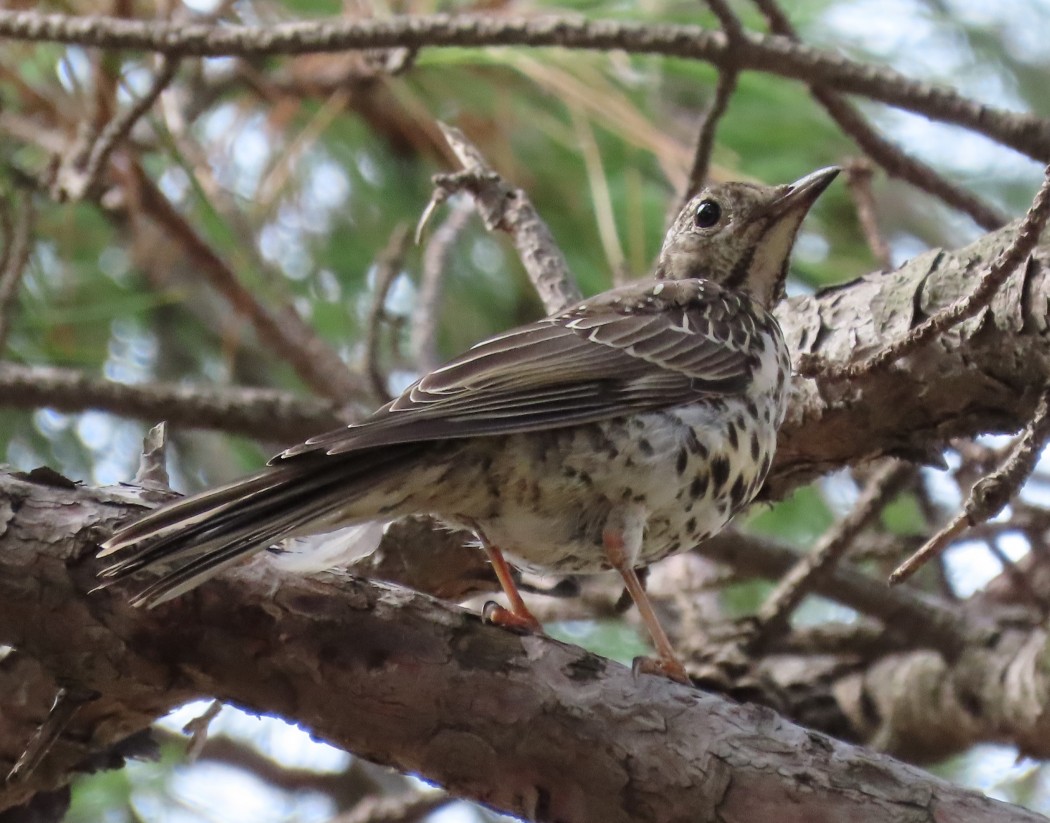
(803, 193)
(781, 218)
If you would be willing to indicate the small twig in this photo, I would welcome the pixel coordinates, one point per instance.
(727, 80)
(773, 617)
(14, 257)
(197, 729)
(281, 172)
(859, 173)
(990, 494)
(705, 142)
(963, 309)
(76, 183)
(893, 160)
(509, 209)
(387, 268)
(427, 311)
(67, 703)
(1018, 579)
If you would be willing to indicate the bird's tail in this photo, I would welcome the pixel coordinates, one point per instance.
(194, 539)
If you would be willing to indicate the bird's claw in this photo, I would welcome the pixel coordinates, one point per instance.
(670, 668)
(498, 615)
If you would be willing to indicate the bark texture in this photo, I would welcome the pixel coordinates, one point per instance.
(526, 724)
(984, 375)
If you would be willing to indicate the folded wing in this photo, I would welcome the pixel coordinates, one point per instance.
(644, 346)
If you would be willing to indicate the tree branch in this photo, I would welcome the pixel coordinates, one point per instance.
(266, 414)
(525, 724)
(894, 160)
(1025, 133)
(509, 209)
(978, 376)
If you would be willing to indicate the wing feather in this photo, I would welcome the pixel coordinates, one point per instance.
(644, 346)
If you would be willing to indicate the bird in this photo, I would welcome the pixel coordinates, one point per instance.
(626, 428)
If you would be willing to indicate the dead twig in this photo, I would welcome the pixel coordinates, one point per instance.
(990, 494)
(68, 702)
(198, 727)
(75, 182)
(153, 469)
(859, 173)
(427, 311)
(727, 80)
(508, 209)
(773, 617)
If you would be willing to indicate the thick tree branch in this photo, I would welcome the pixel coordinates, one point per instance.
(1025, 239)
(1025, 133)
(401, 679)
(982, 375)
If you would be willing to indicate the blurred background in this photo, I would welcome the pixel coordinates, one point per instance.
(298, 172)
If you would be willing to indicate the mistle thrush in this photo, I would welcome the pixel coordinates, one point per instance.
(617, 432)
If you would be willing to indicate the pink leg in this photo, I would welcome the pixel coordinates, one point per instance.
(518, 615)
(666, 662)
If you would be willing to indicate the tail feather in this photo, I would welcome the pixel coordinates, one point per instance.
(196, 538)
(176, 518)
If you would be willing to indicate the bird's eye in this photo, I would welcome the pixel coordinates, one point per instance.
(707, 214)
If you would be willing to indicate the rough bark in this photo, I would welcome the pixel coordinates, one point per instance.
(982, 376)
(525, 724)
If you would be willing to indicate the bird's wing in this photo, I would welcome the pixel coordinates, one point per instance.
(644, 346)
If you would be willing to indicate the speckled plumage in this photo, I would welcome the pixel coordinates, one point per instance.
(642, 418)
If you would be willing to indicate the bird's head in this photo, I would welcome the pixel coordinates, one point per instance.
(740, 235)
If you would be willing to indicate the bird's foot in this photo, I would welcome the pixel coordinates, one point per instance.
(669, 667)
(520, 621)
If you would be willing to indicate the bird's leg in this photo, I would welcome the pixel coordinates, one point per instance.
(518, 615)
(666, 662)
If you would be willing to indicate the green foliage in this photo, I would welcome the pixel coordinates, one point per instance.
(904, 517)
(110, 795)
(800, 519)
(609, 638)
